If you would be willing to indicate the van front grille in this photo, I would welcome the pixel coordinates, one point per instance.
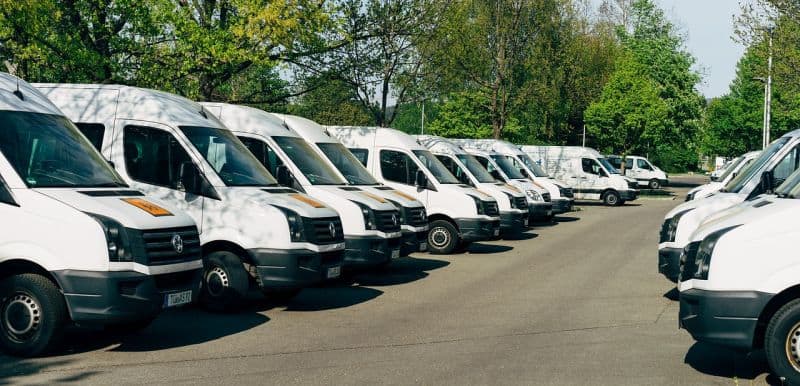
(327, 230)
(490, 208)
(520, 202)
(415, 216)
(546, 197)
(166, 246)
(387, 220)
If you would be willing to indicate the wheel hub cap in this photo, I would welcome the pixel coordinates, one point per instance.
(21, 315)
(216, 281)
(793, 346)
(439, 237)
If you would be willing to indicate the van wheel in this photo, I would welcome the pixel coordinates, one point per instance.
(225, 282)
(32, 315)
(442, 237)
(782, 342)
(654, 184)
(611, 198)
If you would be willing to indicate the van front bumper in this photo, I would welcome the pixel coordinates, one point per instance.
(414, 242)
(370, 251)
(513, 222)
(287, 269)
(669, 263)
(478, 229)
(562, 205)
(725, 318)
(628, 195)
(112, 297)
(540, 211)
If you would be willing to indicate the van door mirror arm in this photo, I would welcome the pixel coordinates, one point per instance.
(5, 195)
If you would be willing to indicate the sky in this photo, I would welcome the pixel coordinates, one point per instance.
(708, 27)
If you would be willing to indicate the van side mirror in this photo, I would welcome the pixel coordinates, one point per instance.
(421, 180)
(464, 179)
(496, 174)
(5, 194)
(767, 181)
(189, 178)
(112, 164)
(283, 175)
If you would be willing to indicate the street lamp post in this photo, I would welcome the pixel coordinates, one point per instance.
(768, 92)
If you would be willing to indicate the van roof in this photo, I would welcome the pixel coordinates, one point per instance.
(310, 131)
(497, 145)
(132, 103)
(367, 136)
(440, 145)
(569, 151)
(32, 99)
(251, 120)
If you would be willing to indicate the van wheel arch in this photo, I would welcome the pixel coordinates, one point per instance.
(20, 266)
(226, 246)
(443, 217)
(769, 311)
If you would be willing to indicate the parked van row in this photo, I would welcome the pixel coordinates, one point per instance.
(119, 202)
(732, 255)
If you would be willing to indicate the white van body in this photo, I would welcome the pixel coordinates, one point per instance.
(254, 234)
(642, 170)
(560, 194)
(737, 165)
(413, 218)
(770, 168)
(457, 213)
(740, 276)
(513, 203)
(586, 171)
(539, 205)
(371, 224)
(76, 243)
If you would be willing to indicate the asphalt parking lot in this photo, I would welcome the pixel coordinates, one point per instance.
(579, 302)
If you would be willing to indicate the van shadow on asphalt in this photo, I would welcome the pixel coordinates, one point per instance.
(722, 362)
(485, 249)
(11, 367)
(600, 203)
(401, 271)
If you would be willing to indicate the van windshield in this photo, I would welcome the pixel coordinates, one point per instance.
(507, 167)
(791, 187)
(308, 161)
(478, 171)
(436, 167)
(48, 151)
(353, 170)
(610, 168)
(744, 176)
(234, 164)
(734, 164)
(533, 166)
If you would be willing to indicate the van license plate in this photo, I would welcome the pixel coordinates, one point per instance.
(525, 222)
(395, 253)
(334, 272)
(423, 247)
(178, 299)
(497, 232)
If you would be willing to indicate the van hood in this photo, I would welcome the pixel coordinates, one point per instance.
(716, 202)
(393, 195)
(127, 206)
(300, 203)
(757, 217)
(465, 189)
(337, 195)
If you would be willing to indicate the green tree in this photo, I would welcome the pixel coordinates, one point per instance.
(629, 113)
(331, 103)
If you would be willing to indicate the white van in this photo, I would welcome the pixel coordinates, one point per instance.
(458, 214)
(371, 224)
(559, 193)
(738, 164)
(739, 279)
(540, 208)
(76, 243)
(512, 202)
(254, 233)
(413, 218)
(769, 169)
(586, 171)
(640, 169)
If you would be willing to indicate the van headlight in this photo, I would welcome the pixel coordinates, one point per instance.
(702, 260)
(673, 224)
(478, 204)
(369, 216)
(117, 239)
(534, 195)
(296, 228)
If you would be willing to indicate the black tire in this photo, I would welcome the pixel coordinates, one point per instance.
(33, 315)
(781, 343)
(443, 237)
(654, 184)
(280, 296)
(225, 282)
(611, 198)
(130, 327)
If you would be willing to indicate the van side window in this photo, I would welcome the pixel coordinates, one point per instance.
(786, 166)
(451, 165)
(153, 156)
(398, 167)
(590, 166)
(93, 131)
(642, 164)
(361, 155)
(263, 153)
(485, 162)
(615, 162)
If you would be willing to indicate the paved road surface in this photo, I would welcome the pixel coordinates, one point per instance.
(579, 302)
